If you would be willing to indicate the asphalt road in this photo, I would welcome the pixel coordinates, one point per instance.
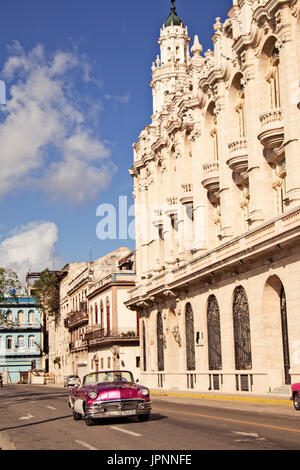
(34, 417)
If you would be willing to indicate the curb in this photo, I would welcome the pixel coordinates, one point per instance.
(265, 401)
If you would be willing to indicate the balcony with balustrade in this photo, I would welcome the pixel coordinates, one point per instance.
(211, 179)
(271, 135)
(78, 318)
(238, 160)
(97, 336)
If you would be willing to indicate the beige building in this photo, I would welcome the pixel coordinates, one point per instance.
(95, 330)
(217, 192)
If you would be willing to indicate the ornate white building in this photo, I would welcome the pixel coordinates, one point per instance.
(217, 193)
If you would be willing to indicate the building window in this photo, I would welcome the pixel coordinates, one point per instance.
(241, 113)
(160, 342)
(9, 343)
(144, 348)
(274, 80)
(96, 314)
(31, 316)
(20, 342)
(9, 317)
(214, 134)
(190, 337)
(101, 313)
(108, 326)
(20, 316)
(241, 327)
(214, 334)
(31, 342)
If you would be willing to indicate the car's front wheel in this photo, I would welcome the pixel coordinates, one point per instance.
(296, 401)
(89, 421)
(76, 416)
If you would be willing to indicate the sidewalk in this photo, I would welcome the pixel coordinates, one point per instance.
(266, 399)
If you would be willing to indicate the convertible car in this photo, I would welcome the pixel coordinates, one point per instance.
(109, 394)
(295, 396)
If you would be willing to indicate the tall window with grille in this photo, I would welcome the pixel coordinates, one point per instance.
(214, 334)
(160, 343)
(241, 328)
(190, 338)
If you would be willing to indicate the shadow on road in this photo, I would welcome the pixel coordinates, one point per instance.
(35, 423)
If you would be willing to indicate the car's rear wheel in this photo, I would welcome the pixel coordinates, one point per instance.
(143, 418)
(296, 401)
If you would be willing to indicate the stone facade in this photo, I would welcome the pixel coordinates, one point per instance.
(217, 193)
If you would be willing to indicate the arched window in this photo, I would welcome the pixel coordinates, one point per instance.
(285, 338)
(241, 112)
(144, 348)
(9, 317)
(241, 328)
(160, 342)
(31, 316)
(9, 343)
(91, 316)
(20, 342)
(31, 342)
(20, 316)
(101, 313)
(214, 334)
(214, 133)
(274, 80)
(96, 314)
(108, 326)
(190, 338)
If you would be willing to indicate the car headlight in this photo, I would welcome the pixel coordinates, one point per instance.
(92, 395)
(145, 391)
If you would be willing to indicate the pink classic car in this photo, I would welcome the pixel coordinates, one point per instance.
(109, 394)
(295, 389)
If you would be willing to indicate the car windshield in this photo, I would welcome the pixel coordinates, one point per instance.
(108, 377)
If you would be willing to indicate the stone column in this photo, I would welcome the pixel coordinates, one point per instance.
(257, 169)
(224, 171)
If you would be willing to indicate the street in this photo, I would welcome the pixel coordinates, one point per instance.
(37, 417)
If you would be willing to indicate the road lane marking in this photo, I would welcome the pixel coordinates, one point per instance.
(251, 435)
(85, 444)
(125, 430)
(28, 416)
(50, 407)
(270, 426)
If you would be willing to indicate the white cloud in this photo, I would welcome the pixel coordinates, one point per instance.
(30, 247)
(43, 119)
(119, 99)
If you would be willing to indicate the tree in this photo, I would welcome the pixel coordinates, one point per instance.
(46, 292)
(9, 285)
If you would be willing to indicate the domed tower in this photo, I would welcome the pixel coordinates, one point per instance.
(169, 70)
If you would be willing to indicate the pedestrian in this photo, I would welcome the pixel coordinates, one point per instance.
(1, 380)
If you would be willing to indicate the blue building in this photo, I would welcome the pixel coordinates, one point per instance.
(20, 337)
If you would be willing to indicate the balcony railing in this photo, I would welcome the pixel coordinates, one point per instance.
(271, 135)
(20, 326)
(94, 336)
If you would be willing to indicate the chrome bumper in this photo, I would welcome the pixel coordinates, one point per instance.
(118, 409)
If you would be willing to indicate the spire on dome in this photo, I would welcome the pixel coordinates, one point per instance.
(173, 19)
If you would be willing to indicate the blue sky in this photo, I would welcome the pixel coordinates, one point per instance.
(77, 75)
